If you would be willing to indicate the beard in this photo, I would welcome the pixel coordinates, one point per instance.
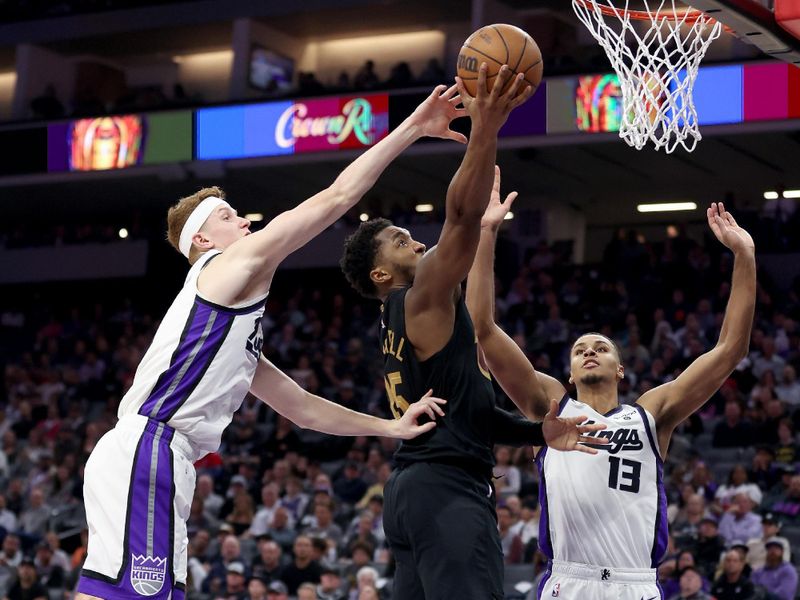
(592, 379)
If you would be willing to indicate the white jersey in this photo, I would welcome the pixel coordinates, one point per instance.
(200, 365)
(607, 509)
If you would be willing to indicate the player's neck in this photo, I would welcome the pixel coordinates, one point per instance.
(601, 398)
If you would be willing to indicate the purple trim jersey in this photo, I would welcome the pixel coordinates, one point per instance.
(200, 365)
(607, 509)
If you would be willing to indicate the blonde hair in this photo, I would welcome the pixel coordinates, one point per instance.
(179, 213)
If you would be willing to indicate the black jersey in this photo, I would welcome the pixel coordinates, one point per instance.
(465, 432)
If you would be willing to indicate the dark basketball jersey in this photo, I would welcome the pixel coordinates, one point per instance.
(465, 432)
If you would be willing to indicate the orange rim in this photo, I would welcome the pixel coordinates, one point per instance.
(690, 15)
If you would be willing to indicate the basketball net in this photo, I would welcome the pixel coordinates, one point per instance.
(657, 66)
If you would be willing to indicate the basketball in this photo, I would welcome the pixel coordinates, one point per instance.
(499, 45)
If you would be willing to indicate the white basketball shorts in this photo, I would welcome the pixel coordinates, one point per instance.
(138, 488)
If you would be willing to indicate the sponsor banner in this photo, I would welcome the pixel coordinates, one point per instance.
(292, 127)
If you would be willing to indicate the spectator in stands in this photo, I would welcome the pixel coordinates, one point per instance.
(737, 484)
(366, 577)
(362, 534)
(788, 504)
(510, 541)
(294, 500)
(50, 574)
(507, 476)
(27, 586)
(762, 472)
(33, 521)
(324, 527)
(691, 586)
(277, 590)
(235, 579)
(756, 547)
(281, 530)
(8, 520)
(307, 591)
(350, 487)
(688, 519)
(360, 556)
(60, 557)
(684, 560)
(789, 388)
(778, 575)
(270, 561)
(230, 552)
(708, 546)
(10, 559)
(256, 589)
(302, 568)
(212, 502)
(368, 592)
(400, 76)
(365, 78)
(732, 584)
(330, 585)
(199, 519)
(270, 501)
(733, 431)
(242, 515)
(740, 522)
(768, 360)
(786, 449)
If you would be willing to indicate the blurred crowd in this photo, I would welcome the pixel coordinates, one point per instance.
(286, 513)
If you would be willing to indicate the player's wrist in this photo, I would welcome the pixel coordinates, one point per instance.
(391, 428)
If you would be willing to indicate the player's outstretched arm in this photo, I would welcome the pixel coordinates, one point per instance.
(308, 411)
(250, 263)
(672, 402)
(559, 433)
(528, 389)
(445, 266)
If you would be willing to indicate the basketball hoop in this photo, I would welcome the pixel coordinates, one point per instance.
(657, 68)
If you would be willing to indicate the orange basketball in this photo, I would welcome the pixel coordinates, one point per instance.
(499, 45)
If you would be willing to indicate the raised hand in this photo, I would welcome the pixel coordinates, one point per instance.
(407, 427)
(491, 109)
(437, 111)
(497, 210)
(727, 230)
(567, 433)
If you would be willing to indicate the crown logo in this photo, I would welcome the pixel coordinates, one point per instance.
(148, 574)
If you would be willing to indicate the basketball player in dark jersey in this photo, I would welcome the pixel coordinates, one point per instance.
(439, 504)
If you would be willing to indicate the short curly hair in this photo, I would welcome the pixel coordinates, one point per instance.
(359, 256)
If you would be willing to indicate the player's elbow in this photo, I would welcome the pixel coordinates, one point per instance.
(464, 214)
(483, 327)
(732, 352)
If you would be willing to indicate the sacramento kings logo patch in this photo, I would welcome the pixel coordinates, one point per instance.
(148, 574)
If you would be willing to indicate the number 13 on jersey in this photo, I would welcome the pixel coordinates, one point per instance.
(397, 403)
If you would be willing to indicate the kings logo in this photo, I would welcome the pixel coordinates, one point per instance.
(148, 574)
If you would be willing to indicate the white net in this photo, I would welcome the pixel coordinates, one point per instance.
(657, 63)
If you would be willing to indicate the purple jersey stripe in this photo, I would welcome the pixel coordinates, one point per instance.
(205, 331)
(147, 556)
(661, 526)
(545, 543)
(548, 574)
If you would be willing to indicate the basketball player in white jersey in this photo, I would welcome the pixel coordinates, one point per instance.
(604, 521)
(204, 358)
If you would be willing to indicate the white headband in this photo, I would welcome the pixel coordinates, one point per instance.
(196, 220)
